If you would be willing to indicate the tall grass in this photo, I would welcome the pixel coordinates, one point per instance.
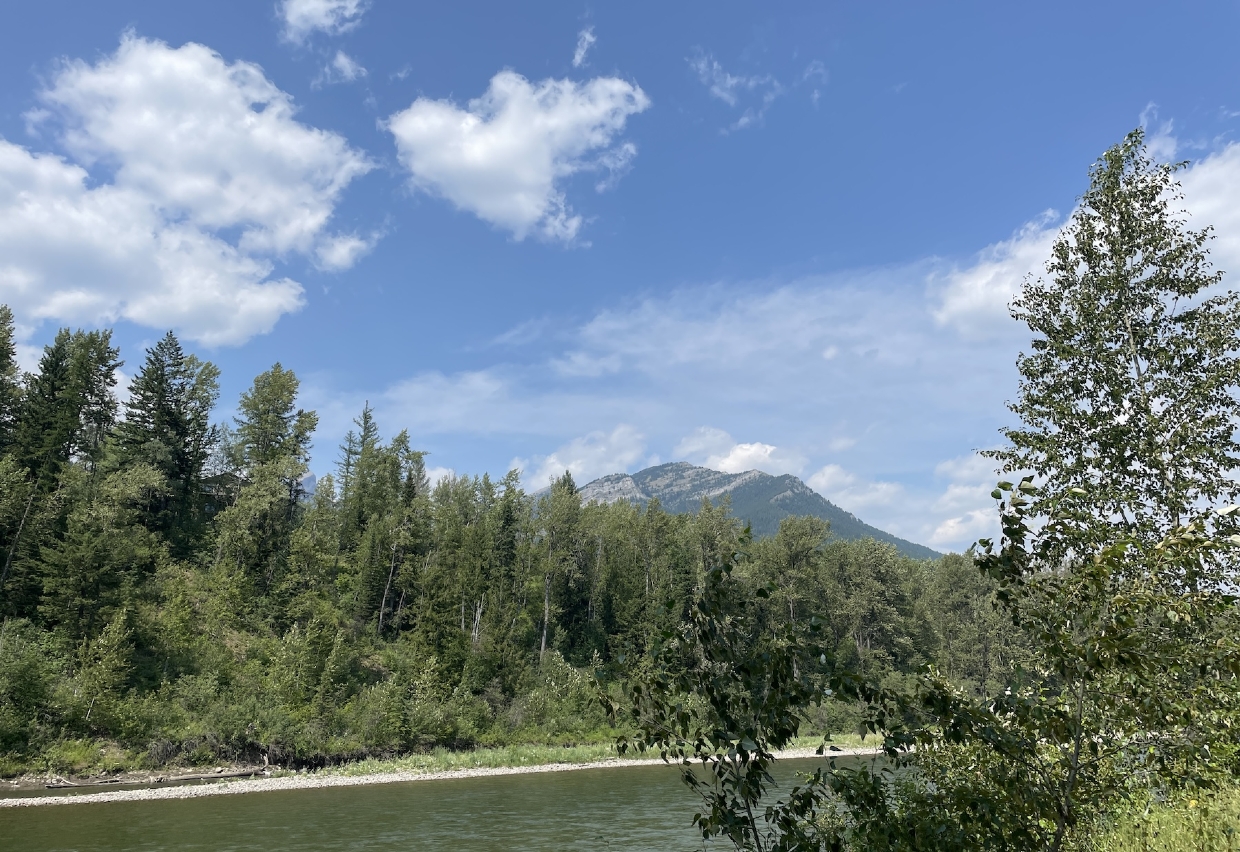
(1207, 824)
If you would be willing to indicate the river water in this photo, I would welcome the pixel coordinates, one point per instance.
(629, 808)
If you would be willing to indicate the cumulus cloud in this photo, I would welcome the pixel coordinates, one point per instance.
(965, 508)
(585, 40)
(752, 94)
(850, 492)
(435, 474)
(974, 299)
(1210, 189)
(505, 155)
(333, 17)
(588, 457)
(716, 449)
(343, 250)
(189, 175)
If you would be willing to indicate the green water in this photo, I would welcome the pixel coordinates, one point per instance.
(631, 808)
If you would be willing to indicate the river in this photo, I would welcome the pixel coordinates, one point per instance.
(629, 808)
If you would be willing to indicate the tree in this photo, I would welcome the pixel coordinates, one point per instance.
(1121, 580)
(167, 425)
(268, 428)
(10, 380)
(65, 414)
(1128, 400)
(103, 554)
(560, 513)
(254, 534)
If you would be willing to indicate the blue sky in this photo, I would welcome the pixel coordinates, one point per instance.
(774, 235)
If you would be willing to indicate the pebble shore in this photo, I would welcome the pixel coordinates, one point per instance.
(317, 780)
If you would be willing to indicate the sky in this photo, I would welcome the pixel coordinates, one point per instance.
(573, 236)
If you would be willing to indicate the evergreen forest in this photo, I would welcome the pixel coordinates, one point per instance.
(171, 595)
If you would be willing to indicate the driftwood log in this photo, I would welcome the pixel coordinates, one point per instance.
(62, 784)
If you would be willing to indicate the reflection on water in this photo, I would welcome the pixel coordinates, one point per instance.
(635, 808)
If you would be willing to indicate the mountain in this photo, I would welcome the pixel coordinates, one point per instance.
(757, 498)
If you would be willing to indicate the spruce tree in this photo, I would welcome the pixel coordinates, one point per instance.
(10, 380)
(167, 426)
(47, 420)
(66, 413)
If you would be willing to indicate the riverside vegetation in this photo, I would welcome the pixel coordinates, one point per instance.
(1116, 725)
(172, 595)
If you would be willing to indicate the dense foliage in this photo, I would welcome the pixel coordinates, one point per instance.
(1114, 569)
(171, 593)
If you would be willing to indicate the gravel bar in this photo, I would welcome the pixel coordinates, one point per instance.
(309, 782)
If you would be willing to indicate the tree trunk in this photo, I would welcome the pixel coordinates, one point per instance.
(8, 562)
(546, 611)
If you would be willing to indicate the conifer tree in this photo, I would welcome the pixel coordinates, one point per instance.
(10, 380)
(167, 426)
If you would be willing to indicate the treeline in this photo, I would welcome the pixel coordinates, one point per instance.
(171, 594)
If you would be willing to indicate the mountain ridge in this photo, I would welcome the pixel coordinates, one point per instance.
(761, 499)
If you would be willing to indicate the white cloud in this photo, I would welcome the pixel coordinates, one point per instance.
(974, 300)
(886, 423)
(1161, 141)
(965, 508)
(434, 402)
(616, 162)
(504, 156)
(213, 142)
(586, 365)
(1211, 186)
(753, 94)
(304, 17)
(849, 492)
(815, 74)
(587, 458)
(962, 531)
(585, 40)
(716, 449)
(198, 176)
(435, 474)
(342, 69)
(343, 250)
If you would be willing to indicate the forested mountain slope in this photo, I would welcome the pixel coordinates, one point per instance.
(758, 498)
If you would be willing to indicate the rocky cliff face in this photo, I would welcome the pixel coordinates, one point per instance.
(758, 498)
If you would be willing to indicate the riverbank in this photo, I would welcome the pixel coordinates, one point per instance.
(370, 772)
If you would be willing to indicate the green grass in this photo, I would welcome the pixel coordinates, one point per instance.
(1208, 824)
(445, 760)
